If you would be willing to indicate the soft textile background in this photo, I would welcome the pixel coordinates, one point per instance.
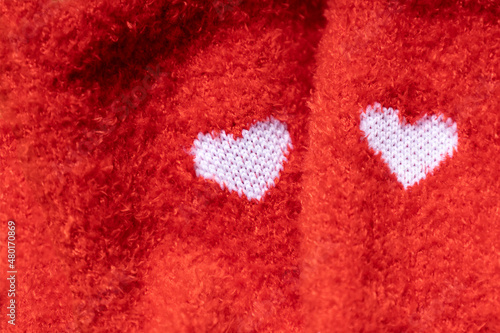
(100, 102)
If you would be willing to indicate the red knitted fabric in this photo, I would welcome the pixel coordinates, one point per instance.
(131, 134)
(377, 257)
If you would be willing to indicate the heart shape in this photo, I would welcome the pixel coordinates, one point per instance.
(248, 165)
(410, 151)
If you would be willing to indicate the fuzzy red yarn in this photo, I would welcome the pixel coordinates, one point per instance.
(376, 257)
(100, 102)
(113, 97)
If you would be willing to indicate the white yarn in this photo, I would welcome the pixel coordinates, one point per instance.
(410, 151)
(249, 165)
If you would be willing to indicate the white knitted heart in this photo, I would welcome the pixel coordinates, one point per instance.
(410, 151)
(248, 165)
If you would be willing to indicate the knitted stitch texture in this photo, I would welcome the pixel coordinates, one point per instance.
(119, 231)
(410, 151)
(247, 165)
(378, 257)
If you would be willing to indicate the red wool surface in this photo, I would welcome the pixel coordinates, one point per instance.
(100, 102)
